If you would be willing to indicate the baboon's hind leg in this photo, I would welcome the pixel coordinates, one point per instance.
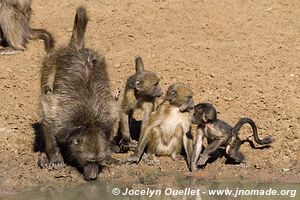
(234, 151)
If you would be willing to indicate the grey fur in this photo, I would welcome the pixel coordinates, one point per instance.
(79, 112)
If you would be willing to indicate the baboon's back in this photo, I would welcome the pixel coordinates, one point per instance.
(81, 86)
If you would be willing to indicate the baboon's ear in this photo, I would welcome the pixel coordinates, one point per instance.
(139, 65)
(138, 85)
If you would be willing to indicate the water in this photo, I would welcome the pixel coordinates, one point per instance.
(166, 187)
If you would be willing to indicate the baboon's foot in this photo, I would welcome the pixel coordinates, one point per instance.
(56, 162)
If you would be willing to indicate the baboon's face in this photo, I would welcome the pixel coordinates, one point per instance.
(203, 113)
(182, 96)
(89, 148)
(148, 84)
(197, 116)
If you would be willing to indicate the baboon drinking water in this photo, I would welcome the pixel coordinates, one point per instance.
(79, 111)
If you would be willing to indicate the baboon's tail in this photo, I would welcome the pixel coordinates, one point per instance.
(43, 35)
(139, 65)
(242, 121)
(81, 20)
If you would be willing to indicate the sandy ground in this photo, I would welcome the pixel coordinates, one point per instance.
(243, 56)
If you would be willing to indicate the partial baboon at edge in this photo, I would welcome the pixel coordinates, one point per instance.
(168, 128)
(141, 91)
(15, 30)
(79, 111)
(218, 133)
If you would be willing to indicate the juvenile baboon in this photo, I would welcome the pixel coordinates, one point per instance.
(79, 113)
(169, 127)
(142, 88)
(219, 133)
(15, 30)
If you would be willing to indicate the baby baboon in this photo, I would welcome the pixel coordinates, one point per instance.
(15, 30)
(219, 133)
(169, 127)
(79, 112)
(141, 90)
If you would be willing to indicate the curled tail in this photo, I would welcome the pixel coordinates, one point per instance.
(242, 121)
(80, 23)
(43, 35)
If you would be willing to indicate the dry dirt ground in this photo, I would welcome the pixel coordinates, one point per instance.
(241, 55)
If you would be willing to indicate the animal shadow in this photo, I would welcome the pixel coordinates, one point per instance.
(231, 161)
(135, 131)
(39, 143)
(266, 146)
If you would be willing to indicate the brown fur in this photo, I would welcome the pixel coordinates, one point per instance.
(79, 112)
(15, 30)
(141, 91)
(169, 127)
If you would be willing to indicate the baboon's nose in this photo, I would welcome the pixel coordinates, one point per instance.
(90, 171)
(91, 178)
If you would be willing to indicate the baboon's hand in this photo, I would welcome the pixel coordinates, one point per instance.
(43, 161)
(55, 163)
(202, 160)
(133, 159)
(128, 146)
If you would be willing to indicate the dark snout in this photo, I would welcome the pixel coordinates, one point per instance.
(187, 106)
(90, 171)
(158, 92)
(191, 104)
